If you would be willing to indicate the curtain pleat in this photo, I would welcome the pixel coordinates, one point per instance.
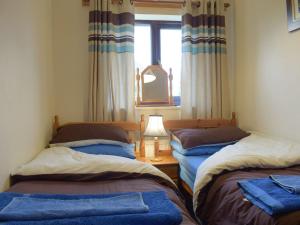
(111, 41)
(204, 83)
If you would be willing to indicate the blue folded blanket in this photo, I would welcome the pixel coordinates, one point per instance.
(290, 183)
(268, 196)
(32, 208)
(124, 208)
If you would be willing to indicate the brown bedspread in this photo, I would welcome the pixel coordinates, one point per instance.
(101, 187)
(225, 205)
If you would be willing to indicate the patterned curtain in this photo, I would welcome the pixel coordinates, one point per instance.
(204, 83)
(111, 41)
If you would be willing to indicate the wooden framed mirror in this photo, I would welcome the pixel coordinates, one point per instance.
(154, 87)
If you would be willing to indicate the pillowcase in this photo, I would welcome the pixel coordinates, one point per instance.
(105, 149)
(78, 132)
(101, 147)
(190, 138)
(199, 150)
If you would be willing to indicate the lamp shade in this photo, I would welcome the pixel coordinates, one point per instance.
(155, 127)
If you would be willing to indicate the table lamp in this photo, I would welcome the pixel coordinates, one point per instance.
(155, 128)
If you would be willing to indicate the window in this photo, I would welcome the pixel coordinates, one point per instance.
(142, 46)
(159, 42)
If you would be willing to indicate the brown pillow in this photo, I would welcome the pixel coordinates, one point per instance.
(77, 132)
(190, 138)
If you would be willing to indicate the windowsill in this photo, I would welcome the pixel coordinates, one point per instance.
(157, 107)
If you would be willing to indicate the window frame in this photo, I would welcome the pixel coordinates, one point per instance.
(155, 27)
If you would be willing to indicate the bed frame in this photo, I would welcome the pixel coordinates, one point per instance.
(197, 123)
(200, 123)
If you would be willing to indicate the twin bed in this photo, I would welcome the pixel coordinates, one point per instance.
(79, 164)
(212, 170)
(95, 160)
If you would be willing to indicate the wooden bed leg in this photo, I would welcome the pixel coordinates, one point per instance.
(142, 140)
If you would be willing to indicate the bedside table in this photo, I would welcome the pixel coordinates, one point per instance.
(169, 165)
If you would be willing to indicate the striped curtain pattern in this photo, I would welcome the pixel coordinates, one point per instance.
(111, 41)
(204, 85)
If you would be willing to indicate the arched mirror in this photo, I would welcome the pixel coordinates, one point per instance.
(154, 86)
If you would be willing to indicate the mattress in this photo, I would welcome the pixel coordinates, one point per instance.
(187, 177)
(189, 166)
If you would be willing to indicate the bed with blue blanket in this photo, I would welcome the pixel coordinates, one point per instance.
(224, 192)
(87, 178)
(255, 181)
(243, 182)
(110, 209)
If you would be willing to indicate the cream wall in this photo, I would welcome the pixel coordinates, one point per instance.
(26, 102)
(70, 29)
(267, 69)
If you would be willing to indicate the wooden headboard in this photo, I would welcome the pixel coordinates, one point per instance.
(200, 123)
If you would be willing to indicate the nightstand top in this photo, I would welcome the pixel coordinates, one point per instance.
(166, 160)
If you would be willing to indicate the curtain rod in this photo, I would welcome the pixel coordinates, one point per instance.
(153, 3)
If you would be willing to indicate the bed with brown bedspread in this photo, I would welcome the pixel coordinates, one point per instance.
(110, 183)
(217, 198)
(224, 203)
(63, 170)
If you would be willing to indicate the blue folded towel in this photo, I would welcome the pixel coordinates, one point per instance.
(268, 196)
(32, 208)
(160, 210)
(290, 183)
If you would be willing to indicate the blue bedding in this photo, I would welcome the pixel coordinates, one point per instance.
(189, 166)
(187, 177)
(290, 183)
(108, 149)
(164, 213)
(32, 208)
(268, 196)
(200, 150)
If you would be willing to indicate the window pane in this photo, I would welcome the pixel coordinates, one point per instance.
(170, 42)
(142, 46)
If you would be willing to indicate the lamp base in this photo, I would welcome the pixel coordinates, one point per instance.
(156, 159)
